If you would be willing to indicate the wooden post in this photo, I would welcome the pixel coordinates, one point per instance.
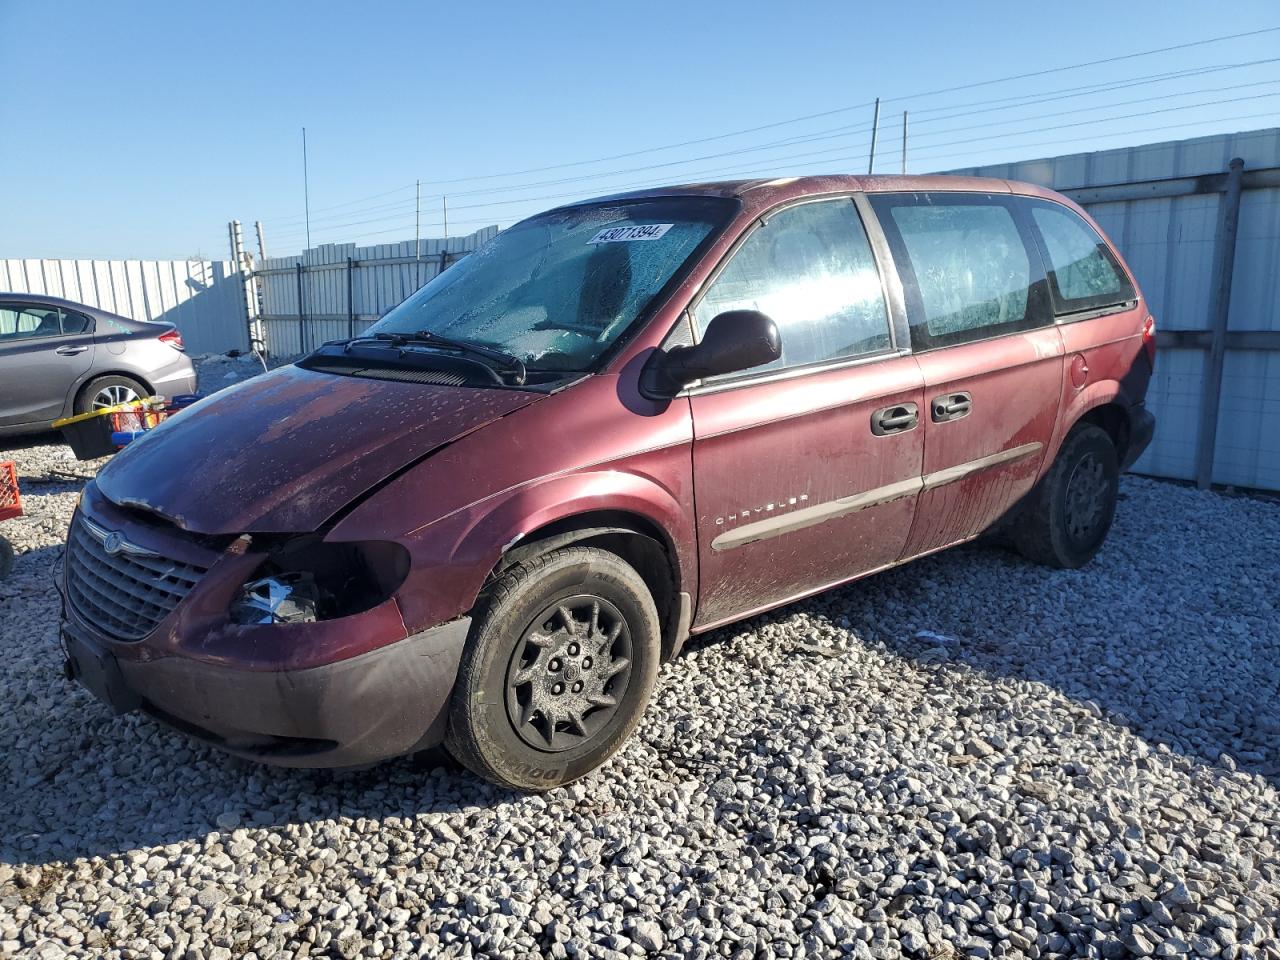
(1224, 258)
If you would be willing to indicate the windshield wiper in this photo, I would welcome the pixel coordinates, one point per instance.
(496, 360)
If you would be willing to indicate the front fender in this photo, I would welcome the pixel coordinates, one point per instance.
(453, 556)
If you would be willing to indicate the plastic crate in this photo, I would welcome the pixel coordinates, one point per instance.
(10, 501)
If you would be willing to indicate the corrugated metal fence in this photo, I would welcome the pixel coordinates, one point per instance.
(1170, 209)
(200, 297)
(338, 289)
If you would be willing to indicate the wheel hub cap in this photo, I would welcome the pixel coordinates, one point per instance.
(1086, 495)
(568, 673)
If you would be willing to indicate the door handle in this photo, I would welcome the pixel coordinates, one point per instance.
(898, 418)
(951, 406)
(69, 351)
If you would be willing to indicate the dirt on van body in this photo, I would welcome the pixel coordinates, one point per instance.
(968, 756)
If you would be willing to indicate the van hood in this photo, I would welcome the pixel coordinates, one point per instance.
(285, 451)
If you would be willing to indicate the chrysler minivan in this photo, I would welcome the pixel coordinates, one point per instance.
(488, 519)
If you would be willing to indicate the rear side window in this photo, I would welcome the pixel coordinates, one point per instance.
(968, 270)
(811, 270)
(1083, 272)
(29, 322)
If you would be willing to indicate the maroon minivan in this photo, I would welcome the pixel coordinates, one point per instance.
(487, 520)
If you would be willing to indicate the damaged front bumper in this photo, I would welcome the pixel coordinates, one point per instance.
(339, 692)
(381, 704)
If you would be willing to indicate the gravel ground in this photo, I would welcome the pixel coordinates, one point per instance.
(969, 756)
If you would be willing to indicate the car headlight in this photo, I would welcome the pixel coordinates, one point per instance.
(305, 579)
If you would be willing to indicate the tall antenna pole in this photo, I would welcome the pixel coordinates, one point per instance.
(306, 189)
(875, 130)
(904, 141)
(445, 202)
(417, 222)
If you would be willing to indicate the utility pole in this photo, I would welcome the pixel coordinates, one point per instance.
(445, 202)
(417, 221)
(875, 130)
(306, 189)
(262, 243)
(904, 141)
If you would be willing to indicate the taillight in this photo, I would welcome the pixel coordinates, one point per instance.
(1149, 339)
(173, 338)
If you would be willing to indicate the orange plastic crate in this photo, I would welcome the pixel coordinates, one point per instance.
(10, 502)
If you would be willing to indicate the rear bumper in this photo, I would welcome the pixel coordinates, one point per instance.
(1142, 427)
(381, 704)
(174, 382)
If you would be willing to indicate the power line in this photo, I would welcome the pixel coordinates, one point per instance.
(831, 150)
(861, 106)
(762, 171)
(812, 116)
(1002, 103)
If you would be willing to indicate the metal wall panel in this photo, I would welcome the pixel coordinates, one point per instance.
(1169, 245)
(381, 276)
(199, 297)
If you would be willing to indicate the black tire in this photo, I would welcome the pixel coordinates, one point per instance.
(1068, 514)
(92, 394)
(508, 673)
(6, 558)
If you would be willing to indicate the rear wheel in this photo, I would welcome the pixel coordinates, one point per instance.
(558, 670)
(107, 392)
(1069, 513)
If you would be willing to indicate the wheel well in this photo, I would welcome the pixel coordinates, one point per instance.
(636, 540)
(1112, 418)
(99, 374)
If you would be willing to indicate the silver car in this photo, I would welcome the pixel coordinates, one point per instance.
(59, 358)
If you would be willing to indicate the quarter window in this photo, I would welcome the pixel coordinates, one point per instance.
(811, 270)
(75, 322)
(967, 271)
(1083, 272)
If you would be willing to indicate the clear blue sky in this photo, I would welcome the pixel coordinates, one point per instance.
(139, 129)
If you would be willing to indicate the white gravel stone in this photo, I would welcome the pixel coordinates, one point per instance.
(968, 757)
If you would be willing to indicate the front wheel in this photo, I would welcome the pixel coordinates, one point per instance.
(558, 670)
(1068, 514)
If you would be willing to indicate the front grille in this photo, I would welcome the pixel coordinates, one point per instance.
(125, 591)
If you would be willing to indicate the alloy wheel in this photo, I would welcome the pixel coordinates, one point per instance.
(111, 395)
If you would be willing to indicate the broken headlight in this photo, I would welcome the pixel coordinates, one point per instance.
(305, 579)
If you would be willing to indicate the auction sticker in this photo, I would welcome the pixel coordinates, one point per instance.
(644, 231)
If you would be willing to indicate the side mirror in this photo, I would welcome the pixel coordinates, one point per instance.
(734, 340)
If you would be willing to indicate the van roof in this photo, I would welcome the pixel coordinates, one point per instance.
(761, 192)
